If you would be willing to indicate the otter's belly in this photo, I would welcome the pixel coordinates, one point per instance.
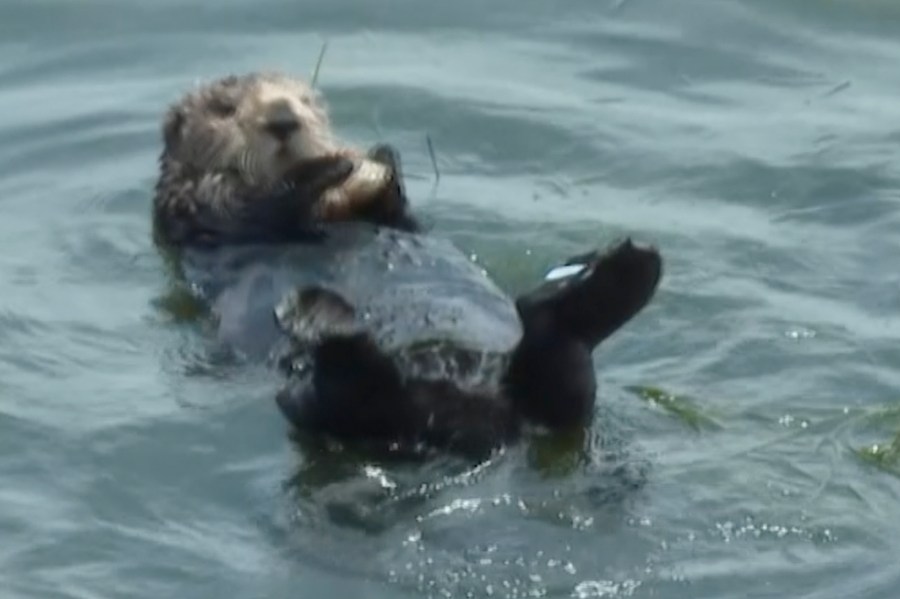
(409, 289)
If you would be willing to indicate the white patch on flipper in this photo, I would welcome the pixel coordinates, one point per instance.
(561, 272)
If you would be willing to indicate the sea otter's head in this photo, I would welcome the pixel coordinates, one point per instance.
(257, 125)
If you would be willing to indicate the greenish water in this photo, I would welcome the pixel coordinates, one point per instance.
(754, 141)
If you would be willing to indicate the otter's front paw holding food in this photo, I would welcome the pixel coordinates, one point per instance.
(391, 207)
(373, 192)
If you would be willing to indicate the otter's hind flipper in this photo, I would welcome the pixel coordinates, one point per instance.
(353, 389)
(592, 295)
(307, 315)
(355, 392)
(352, 383)
(312, 313)
(551, 373)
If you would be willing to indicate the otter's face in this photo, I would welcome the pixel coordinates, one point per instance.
(257, 125)
(281, 126)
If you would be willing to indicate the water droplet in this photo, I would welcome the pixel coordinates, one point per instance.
(414, 537)
(800, 333)
(605, 588)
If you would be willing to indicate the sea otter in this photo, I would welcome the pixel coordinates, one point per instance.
(437, 357)
(252, 158)
(398, 340)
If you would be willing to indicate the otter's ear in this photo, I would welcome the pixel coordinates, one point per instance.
(172, 126)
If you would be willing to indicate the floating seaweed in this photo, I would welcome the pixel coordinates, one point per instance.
(885, 456)
(679, 406)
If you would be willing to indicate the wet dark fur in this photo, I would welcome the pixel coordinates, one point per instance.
(356, 391)
(194, 206)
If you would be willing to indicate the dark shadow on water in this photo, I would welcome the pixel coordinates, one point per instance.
(366, 487)
(372, 490)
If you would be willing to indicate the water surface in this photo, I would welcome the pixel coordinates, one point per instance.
(753, 141)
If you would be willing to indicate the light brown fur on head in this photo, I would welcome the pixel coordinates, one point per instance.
(241, 139)
(257, 125)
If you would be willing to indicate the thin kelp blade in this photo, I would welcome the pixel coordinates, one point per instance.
(887, 415)
(315, 76)
(678, 406)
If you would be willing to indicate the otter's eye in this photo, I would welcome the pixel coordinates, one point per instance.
(221, 107)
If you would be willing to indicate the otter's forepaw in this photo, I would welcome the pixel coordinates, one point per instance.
(387, 155)
(333, 205)
(316, 175)
(391, 207)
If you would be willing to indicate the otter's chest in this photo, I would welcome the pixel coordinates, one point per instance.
(411, 291)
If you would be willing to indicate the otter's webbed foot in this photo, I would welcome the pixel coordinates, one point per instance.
(310, 313)
(351, 389)
(551, 372)
(306, 315)
(354, 391)
(592, 295)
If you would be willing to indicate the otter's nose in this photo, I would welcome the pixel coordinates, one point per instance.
(282, 128)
